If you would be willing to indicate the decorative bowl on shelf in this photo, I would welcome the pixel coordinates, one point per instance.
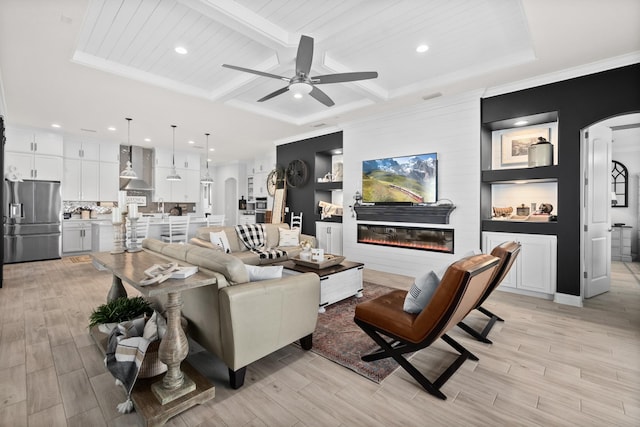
(328, 261)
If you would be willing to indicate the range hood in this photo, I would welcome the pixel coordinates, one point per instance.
(142, 165)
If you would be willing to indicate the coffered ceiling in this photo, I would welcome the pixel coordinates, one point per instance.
(87, 64)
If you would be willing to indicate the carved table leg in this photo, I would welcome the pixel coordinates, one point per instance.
(173, 349)
(117, 290)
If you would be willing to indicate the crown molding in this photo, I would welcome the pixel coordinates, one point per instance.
(566, 74)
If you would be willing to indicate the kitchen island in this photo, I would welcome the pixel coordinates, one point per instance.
(102, 231)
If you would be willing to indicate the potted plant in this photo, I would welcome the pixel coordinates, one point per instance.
(118, 310)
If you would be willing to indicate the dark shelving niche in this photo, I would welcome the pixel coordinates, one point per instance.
(548, 228)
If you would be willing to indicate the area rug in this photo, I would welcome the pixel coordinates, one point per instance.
(76, 259)
(340, 340)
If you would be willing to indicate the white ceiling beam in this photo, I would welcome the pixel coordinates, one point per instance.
(245, 21)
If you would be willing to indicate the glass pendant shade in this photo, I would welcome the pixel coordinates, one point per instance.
(128, 172)
(206, 179)
(173, 176)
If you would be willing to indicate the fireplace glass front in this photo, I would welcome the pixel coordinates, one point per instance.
(421, 238)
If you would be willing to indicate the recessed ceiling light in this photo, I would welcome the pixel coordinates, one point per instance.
(191, 142)
(297, 95)
(181, 50)
(55, 125)
(520, 123)
(147, 140)
(422, 48)
(111, 128)
(212, 149)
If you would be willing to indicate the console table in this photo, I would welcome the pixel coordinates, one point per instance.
(159, 399)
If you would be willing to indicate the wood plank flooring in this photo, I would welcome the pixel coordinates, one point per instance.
(550, 365)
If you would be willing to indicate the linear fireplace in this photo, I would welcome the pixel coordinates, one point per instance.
(421, 238)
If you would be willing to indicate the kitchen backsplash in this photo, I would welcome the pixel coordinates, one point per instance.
(75, 207)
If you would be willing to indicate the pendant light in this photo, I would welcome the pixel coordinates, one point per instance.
(128, 172)
(206, 179)
(173, 176)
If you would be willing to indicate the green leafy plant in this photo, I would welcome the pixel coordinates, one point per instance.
(119, 310)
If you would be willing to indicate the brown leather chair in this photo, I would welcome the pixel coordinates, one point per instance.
(507, 252)
(398, 332)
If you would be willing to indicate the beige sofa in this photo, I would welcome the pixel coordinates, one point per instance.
(241, 321)
(239, 250)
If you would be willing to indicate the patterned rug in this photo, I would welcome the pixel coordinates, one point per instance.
(76, 259)
(340, 340)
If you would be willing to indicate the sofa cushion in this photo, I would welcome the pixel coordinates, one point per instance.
(257, 273)
(154, 245)
(272, 234)
(204, 243)
(219, 238)
(228, 265)
(177, 250)
(234, 243)
(289, 237)
(248, 257)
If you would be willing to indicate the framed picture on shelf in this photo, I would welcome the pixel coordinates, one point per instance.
(515, 145)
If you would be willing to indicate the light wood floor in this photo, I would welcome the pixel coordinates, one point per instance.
(550, 365)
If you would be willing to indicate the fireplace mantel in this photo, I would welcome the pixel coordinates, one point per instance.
(405, 213)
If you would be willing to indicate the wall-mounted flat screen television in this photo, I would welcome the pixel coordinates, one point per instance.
(408, 179)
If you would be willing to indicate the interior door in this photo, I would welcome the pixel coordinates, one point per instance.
(597, 210)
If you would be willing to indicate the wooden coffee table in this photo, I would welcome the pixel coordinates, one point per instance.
(336, 283)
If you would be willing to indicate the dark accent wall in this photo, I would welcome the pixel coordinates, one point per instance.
(579, 102)
(304, 199)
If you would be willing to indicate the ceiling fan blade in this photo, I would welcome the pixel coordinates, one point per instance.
(260, 73)
(321, 96)
(304, 56)
(274, 94)
(344, 77)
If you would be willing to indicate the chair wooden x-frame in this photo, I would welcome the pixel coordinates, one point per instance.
(398, 332)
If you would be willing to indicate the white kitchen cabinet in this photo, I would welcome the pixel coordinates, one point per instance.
(81, 180)
(36, 167)
(183, 159)
(76, 236)
(535, 269)
(246, 219)
(109, 152)
(23, 140)
(185, 190)
(82, 150)
(329, 236)
(109, 181)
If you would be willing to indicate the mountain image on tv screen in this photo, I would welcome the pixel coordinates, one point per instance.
(400, 179)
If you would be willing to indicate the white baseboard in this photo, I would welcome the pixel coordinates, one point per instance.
(566, 299)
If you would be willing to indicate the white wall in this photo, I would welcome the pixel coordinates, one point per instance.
(626, 150)
(448, 126)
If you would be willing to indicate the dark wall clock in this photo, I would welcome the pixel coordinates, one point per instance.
(297, 173)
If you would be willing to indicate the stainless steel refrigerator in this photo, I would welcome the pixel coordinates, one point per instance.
(32, 215)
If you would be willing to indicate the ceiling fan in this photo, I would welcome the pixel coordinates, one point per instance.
(302, 82)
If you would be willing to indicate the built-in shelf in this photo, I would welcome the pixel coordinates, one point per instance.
(328, 186)
(405, 213)
(540, 174)
(550, 228)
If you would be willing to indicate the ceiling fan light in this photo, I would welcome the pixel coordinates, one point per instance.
(300, 89)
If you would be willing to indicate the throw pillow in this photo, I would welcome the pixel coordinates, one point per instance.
(219, 238)
(289, 237)
(421, 292)
(257, 273)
